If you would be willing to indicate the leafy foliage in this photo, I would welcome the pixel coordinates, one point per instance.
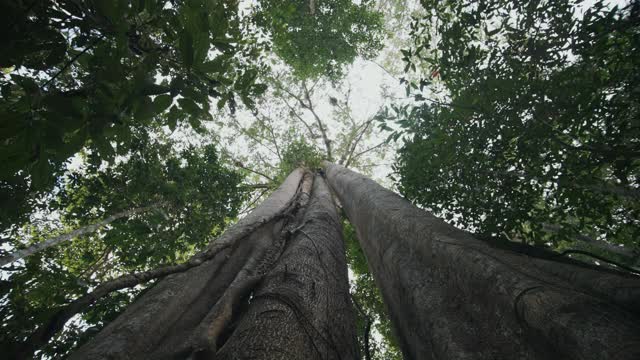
(98, 83)
(531, 129)
(317, 38)
(299, 153)
(84, 74)
(194, 196)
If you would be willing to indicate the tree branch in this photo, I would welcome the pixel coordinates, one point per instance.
(614, 263)
(600, 244)
(37, 247)
(241, 166)
(88, 272)
(249, 207)
(73, 59)
(255, 186)
(270, 129)
(309, 106)
(246, 133)
(348, 156)
(364, 152)
(367, 328)
(295, 113)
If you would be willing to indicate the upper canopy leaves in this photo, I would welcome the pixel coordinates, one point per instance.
(84, 74)
(317, 38)
(536, 137)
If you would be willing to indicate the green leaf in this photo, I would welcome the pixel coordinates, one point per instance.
(40, 173)
(190, 106)
(195, 123)
(108, 9)
(222, 102)
(172, 117)
(144, 108)
(162, 102)
(28, 84)
(186, 48)
(105, 149)
(216, 65)
(259, 89)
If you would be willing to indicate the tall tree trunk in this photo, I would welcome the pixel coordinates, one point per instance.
(55, 241)
(277, 289)
(451, 296)
(301, 309)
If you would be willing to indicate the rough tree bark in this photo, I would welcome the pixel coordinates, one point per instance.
(276, 288)
(301, 309)
(452, 296)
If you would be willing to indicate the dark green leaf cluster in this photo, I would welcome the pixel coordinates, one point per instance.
(298, 153)
(538, 138)
(317, 38)
(191, 196)
(190, 193)
(85, 73)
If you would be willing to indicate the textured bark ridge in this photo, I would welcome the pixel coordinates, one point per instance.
(451, 296)
(301, 310)
(267, 293)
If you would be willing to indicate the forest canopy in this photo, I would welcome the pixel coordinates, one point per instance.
(532, 134)
(134, 133)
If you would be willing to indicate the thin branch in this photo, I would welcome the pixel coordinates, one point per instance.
(364, 152)
(348, 156)
(94, 266)
(241, 166)
(600, 244)
(367, 328)
(70, 62)
(255, 186)
(295, 113)
(265, 162)
(586, 253)
(246, 133)
(314, 84)
(348, 113)
(250, 206)
(54, 241)
(298, 98)
(269, 128)
(385, 69)
(309, 106)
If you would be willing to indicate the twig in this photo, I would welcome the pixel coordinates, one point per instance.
(239, 164)
(270, 129)
(309, 106)
(295, 113)
(249, 207)
(364, 152)
(354, 145)
(586, 253)
(73, 59)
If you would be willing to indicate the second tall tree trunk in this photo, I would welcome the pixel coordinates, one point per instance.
(451, 296)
